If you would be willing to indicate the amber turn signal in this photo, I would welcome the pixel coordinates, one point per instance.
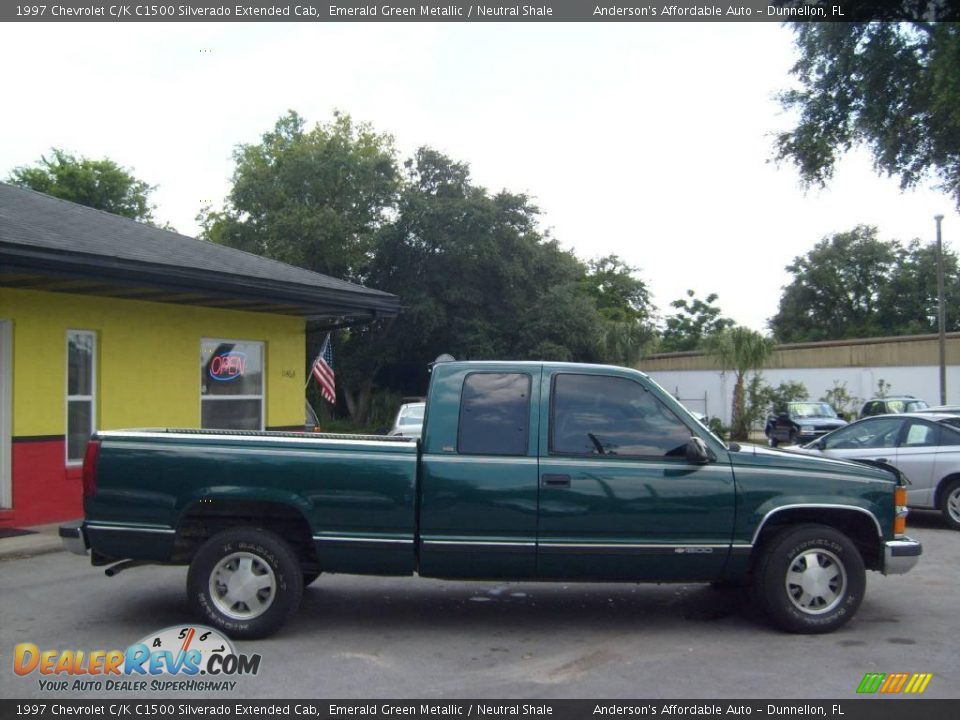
(900, 503)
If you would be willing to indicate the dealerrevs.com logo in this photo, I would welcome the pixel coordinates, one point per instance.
(895, 683)
(175, 659)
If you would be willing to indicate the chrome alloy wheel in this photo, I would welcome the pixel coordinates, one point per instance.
(953, 504)
(243, 586)
(816, 581)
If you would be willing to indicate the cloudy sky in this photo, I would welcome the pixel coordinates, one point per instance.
(649, 140)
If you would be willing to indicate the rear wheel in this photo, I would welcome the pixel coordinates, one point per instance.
(245, 581)
(950, 504)
(810, 579)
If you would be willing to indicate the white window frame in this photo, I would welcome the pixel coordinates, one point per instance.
(91, 398)
(262, 397)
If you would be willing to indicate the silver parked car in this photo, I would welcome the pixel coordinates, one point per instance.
(924, 446)
(409, 420)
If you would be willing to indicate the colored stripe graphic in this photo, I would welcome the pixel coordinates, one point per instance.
(893, 683)
(871, 682)
(918, 683)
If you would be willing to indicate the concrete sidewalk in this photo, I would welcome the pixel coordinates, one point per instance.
(43, 539)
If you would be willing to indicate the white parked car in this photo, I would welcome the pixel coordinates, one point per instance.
(409, 420)
(924, 446)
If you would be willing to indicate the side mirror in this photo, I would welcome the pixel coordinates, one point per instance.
(698, 452)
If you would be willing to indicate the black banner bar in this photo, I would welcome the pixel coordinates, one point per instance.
(471, 11)
(876, 708)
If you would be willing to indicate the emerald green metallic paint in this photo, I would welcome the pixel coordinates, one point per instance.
(393, 506)
(478, 513)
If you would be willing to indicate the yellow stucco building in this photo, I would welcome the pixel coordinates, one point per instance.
(106, 323)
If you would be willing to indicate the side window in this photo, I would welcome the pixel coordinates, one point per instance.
(601, 415)
(872, 408)
(921, 434)
(494, 414)
(878, 433)
(81, 392)
(949, 432)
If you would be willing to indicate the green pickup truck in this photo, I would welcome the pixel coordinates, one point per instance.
(525, 471)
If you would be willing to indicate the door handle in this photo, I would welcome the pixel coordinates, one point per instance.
(555, 481)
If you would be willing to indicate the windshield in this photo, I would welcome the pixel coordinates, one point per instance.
(812, 410)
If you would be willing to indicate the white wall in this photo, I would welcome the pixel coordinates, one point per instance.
(922, 382)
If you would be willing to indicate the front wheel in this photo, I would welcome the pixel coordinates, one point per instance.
(245, 581)
(811, 579)
(950, 505)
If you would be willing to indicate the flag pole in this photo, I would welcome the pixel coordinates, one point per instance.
(310, 369)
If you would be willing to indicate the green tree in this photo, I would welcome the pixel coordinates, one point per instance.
(841, 400)
(100, 184)
(908, 301)
(477, 279)
(696, 320)
(854, 285)
(893, 87)
(741, 350)
(625, 308)
(311, 197)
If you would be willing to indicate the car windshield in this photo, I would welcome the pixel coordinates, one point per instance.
(811, 410)
(411, 415)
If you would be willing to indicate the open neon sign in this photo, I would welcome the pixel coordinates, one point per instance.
(228, 366)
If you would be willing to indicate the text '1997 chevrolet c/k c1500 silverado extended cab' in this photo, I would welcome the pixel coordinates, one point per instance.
(525, 471)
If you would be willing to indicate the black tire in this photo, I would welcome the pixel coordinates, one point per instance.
(835, 585)
(950, 504)
(270, 595)
(309, 577)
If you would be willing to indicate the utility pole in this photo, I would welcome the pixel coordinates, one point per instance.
(941, 319)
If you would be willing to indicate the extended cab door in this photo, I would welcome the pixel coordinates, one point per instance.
(618, 498)
(478, 482)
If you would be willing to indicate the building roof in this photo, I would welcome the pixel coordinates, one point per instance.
(52, 244)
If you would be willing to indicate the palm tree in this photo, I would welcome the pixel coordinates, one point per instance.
(740, 349)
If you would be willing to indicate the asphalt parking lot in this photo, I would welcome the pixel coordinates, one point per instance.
(359, 637)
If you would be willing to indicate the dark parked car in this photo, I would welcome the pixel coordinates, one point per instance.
(800, 422)
(892, 405)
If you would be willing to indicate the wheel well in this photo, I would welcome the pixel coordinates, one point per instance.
(856, 525)
(206, 518)
(941, 486)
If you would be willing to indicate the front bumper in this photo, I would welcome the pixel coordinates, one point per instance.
(900, 555)
(74, 538)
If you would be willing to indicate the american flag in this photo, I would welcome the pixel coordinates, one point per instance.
(323, 371)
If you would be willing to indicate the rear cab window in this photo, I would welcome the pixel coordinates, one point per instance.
(494, 414)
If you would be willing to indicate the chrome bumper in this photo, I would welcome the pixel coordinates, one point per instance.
(899, 556)
(73, 538)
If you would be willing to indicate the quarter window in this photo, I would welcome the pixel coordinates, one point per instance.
(231, 385)
(81, 391)
(602, 415)
(494, 414)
